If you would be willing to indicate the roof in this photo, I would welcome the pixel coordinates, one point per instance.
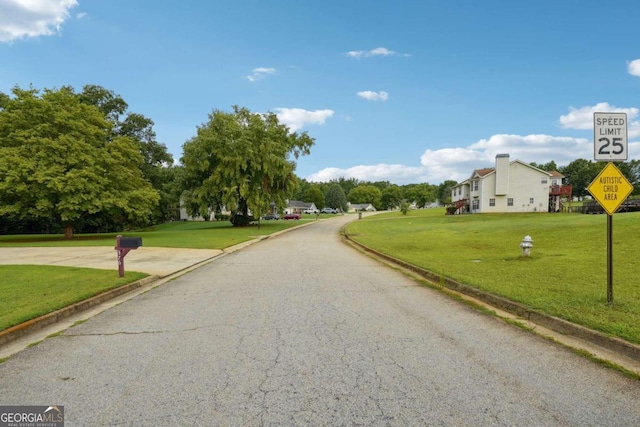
(360, 205)
(299, 204)
(555, 174)
(483, 172)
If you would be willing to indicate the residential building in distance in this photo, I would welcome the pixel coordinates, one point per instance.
(296, 206)
(359, 207)
(510, 186)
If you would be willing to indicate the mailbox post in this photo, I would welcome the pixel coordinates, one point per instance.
(123, 246)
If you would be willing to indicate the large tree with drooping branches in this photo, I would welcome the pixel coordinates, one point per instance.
(243, 161)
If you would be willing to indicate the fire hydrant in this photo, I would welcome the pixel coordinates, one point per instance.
(526, 245)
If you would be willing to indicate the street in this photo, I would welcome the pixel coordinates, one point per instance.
(301, 329)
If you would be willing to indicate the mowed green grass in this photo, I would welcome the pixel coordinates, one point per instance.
(195, 235)
(29, 291)
(565, 276)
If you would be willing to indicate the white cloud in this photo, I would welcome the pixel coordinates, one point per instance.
(81, 15)
(30, 18)
(260, 73)
(297, 118)
(633, 129)
(379, 51)
(382, 172)
(535, 148)
(633, 67)
(452, 163)
(582, 118)
(374, 96)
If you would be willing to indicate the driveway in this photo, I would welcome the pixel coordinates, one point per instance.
(155, 261)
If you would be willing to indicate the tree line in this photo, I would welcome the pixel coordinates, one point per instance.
(580, 173)
(381, 194)
(80, 161)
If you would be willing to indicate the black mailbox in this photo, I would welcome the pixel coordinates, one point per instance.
(130, 242)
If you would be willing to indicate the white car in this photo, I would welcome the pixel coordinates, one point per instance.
(310, 211)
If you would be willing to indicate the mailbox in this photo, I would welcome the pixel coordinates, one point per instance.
(130, 242)
(123, 246)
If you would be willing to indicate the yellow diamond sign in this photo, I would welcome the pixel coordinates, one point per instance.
(610, 188)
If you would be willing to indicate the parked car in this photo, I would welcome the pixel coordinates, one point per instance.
(329, 211)
(310, 211)
(292, 216)
(271, 216)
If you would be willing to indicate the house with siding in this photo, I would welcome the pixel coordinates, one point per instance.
(359, 207)
(511, 186)
(296, 206)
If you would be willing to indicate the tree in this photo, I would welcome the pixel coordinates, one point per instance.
(420, 194)
(366, 194)
(156, 159)
(633, 175)
(59, 163)
(391, 197)
(380, 185)
(301, 187)
(404, 208)
(313, 194)
(550, 166)
(335, 197)
(241, 160)
(346, 184)
(110, 104)
(444, 191)
(580, 173)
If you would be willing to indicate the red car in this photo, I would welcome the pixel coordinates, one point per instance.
(292, 216)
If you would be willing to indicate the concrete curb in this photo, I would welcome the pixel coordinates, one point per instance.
(556, 324)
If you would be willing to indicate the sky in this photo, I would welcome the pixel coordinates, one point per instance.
(399, 91)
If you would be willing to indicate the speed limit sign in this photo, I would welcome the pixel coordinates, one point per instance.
(610, 137)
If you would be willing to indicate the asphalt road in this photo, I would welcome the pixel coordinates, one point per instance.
(303, 330)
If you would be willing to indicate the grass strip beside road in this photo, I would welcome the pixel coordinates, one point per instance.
(565, 276)
(191, 234)
(29, 291)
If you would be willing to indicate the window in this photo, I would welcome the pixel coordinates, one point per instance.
(459, 191)
(476, 204)
(510, 201)
(492, 202)
(475, 185)
(531, 200)
(544, 181)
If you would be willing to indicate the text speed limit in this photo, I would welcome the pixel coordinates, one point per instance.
(610, 136)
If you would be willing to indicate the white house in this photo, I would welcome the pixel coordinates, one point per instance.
(512, 186)
(358, 207)
(296, 206)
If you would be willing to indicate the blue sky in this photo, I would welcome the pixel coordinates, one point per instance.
(400, 91)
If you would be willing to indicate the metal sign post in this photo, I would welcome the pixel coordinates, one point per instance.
(611, 187)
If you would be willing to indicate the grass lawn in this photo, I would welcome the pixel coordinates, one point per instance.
(566, 275)
(195, 235)
(29, 291)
